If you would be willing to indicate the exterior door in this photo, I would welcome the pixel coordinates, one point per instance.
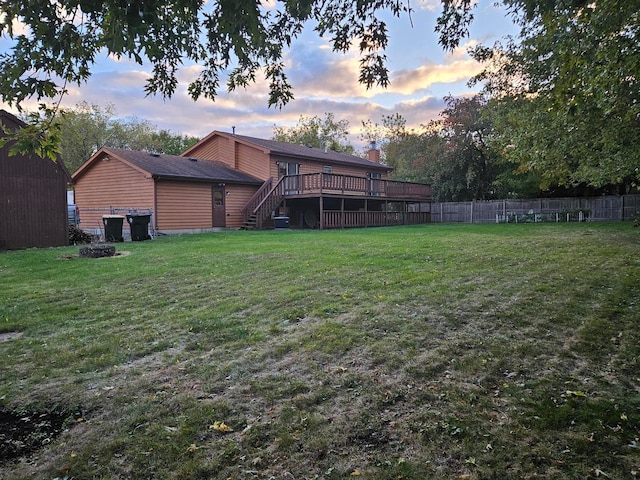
(219, 214)
(291, 170)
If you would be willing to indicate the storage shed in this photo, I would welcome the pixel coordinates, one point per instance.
(33, 197)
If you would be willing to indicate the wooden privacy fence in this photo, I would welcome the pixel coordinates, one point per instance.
(605, 208)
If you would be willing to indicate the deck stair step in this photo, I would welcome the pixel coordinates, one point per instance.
(249, 223)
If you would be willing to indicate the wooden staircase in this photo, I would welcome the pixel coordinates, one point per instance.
(249, 223)
(259, 207)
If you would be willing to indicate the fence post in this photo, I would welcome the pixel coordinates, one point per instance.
(471, 211)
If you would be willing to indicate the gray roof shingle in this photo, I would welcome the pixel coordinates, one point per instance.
(311, 153)
(173, 166)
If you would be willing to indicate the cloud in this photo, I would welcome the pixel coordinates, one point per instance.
(408, 82)
(429, 5)
(323, 81)
(18, 27)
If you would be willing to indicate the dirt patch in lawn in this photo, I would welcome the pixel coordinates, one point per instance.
(6, 336)
(26, 430)
(77, 256)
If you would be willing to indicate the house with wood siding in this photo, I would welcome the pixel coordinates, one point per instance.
(314, 187)
(182, 194)
(235, 181)
(33, 197)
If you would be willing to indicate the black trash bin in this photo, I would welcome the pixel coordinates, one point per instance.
(280, 222)
(113, 228)
(139, 225)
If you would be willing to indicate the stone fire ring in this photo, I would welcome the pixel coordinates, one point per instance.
(97, 251)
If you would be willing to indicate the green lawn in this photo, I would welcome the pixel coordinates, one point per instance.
(434, 351)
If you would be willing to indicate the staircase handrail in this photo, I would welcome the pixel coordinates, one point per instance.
(256, 198)
(269, 202)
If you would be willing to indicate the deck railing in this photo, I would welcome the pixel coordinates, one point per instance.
(336, 219)
(268, 197)
(316, 183)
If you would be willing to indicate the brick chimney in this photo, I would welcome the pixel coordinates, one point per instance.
(374, 153)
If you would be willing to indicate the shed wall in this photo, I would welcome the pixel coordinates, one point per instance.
(33, 202)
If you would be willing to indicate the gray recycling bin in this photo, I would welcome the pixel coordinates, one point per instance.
(139, 225)
(113, 228)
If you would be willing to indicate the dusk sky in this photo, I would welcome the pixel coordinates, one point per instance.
(323, 81)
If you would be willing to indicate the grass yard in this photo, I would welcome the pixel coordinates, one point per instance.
(433, 351)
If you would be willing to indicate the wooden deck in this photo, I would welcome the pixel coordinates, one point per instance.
(373, 196)
(329, 183)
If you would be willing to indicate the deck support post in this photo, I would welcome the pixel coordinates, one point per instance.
(321, 212)
(342, 212)
(386, 213)
(366, 212)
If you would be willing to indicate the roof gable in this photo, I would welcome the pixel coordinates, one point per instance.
(172, 167)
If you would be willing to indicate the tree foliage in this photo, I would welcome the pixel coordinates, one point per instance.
(569, 92)
(41, 135)
(239, 39)
(464, 167)
(450, 153)
(317, 132)
(567, 87)
(86, 128)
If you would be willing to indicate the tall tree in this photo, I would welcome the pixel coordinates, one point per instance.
(172, 143)
(451, 153)
(394, 139)
(459, 162)
(86, 128)
(465, 169)
(317, 132)
(569, 93)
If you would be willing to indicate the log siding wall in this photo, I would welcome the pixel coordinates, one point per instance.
(183, 205)
(236, 198)
(253, 161)
(108, 184)
(310, 166)
(216, 149)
